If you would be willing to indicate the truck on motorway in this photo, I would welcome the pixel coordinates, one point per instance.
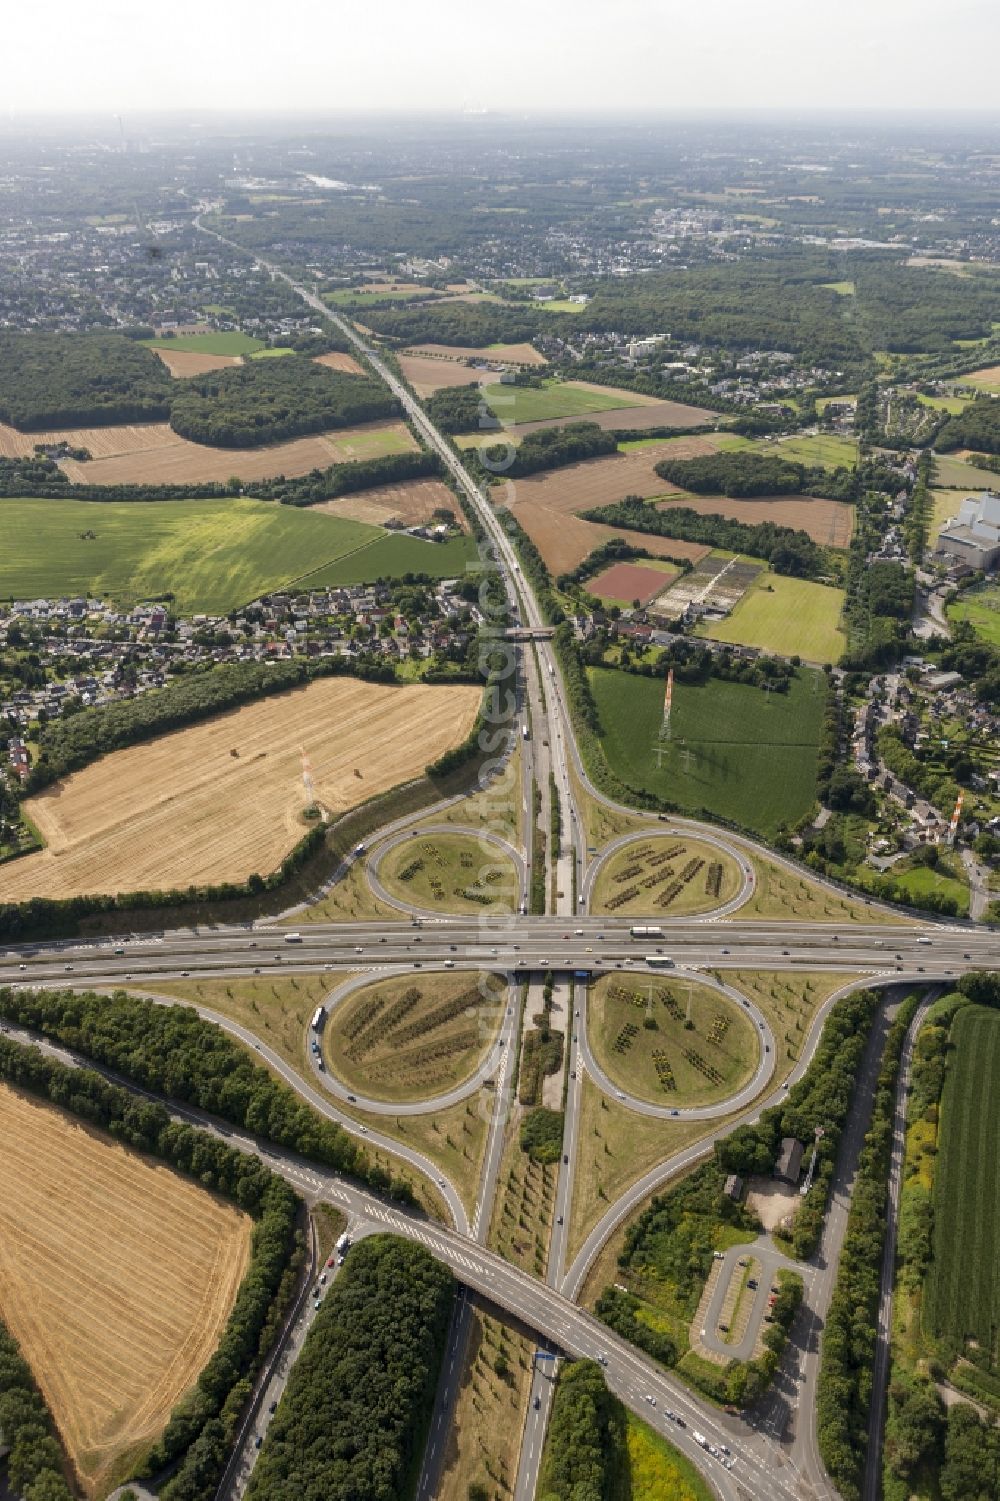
(640, 932)
(524, 733)
(343, 1244)
(699, 1438)
(293, 937)
(659, 961)
(319, 1016)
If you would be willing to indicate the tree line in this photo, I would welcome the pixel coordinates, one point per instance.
(739, 475)
(586, 1437)
(549, 448)
(976, 426)
(787, 550)
(202, 1426)
(36, 1466)
(359, 1398)
(347, 478)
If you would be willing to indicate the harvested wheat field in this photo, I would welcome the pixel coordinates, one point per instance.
(565, 540)
(336, 360)
(828, 522)
(989, 376)
(427, 375)
(184, 362)
(509, 354)
(222, 799)
(652, 413)
(412, 502)
(117, 1277)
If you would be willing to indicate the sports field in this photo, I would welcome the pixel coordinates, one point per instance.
(735, 752)
(962, 1294)
(414, 1036)
(665, 876)
(450, 873)
(981, 608)
(222, 799)
(513, 404)
(789, 616)
(211, 555)
(117, 1277)
(638, 1029)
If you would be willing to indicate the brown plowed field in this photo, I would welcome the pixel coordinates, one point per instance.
(828, 522)
(336, 360)
(565, 540)
(510, 354)
(630, 581)
(184, 362)
(152, 453)
(427, 375)
(652, 413)
(184, 809)
(117, 1277)
(414, 502)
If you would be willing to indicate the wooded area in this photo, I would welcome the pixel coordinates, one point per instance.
(789, 552)
(50, 380)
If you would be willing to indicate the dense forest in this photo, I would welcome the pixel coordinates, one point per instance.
(549, 448)
(742, 474)
(586, 1437)
(787, 551)
(50, 380)
(473, 325)
(461, 409)
(263, 401)
(359, 1397)
(35, 1465)
(204, 1422)
(978, 426)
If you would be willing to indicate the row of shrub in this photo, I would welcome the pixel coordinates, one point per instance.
(201, 1429)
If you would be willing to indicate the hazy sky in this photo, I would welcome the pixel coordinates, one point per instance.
(453, 54)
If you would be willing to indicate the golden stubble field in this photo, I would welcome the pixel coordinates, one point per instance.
(117, 1277)
(185, 809)
(151, 453)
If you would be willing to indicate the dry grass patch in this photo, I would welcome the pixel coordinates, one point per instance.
(337, 360)
(785, 894)
(789, 1002)
(484, 1439)
(427, 374)
(183, 363)
(521, 1227)
(222, 799)
(507, 354)
(412, 502)
(665, 876)
(828, 522)
(117, 1277)
(278, 1010)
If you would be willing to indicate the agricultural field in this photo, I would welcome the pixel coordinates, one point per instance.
(988, 378)
(427, 374)
(413, 502)
(117, 1276)
(234, 344)
(211, 555)
(735, 752)
(414, 1036)
(962, 1295)
(219, 800)
(831, 449)
(787, 616)
(336, 360)
(638, 1029)
(828, 522)
(954, 473)
(665, 876)
(183, 363)
(981, 608)
(652, 413)
(509, 354)
(624, 583)
(153, 454)
(519, 404)
(393, 556)
(450, 873)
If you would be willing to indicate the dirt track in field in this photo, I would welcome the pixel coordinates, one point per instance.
(117, 1277)
(412, 501)
(184, 809)
(152, 453)
(186, 362)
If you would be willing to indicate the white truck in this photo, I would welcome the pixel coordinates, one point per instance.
(293, 937)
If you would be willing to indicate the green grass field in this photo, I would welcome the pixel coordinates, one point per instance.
(956, 474)
(439, 871)
(785, 615)
(920, 881)
(950, 404)
(209, 343)
(842, 288)
(357, 300)
(670, 1063)
(393, 556)
(830, 449)
(271, 354)
(554, 399)
(962, 1292)
(561, 305)
(735, 752)
(981, 608)
(210, 554)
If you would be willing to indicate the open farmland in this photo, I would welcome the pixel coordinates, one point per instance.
(962, 1297)
(830, 449)
(988, 378)
(153, 454)
(785, 615)
(520, 404)
(624, 582)
(735, 752)
(117, 1277)
(508, 354)
(427, 374)
(336, 360)
(211, 555)
(186, 362)
(208, 343)
(828, 522)
(222, 799)
(414, 1036)
(394, 554)
(411, 501)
